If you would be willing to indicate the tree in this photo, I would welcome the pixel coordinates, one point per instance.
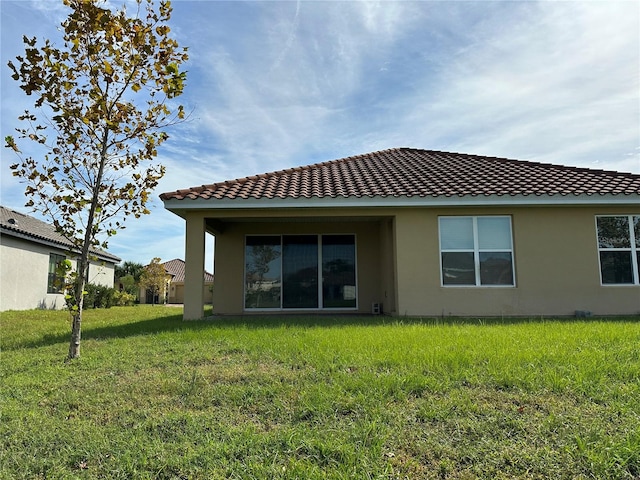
(128, 276)
(105, 99)
(129, 285)
(154, 278)
(133, 269)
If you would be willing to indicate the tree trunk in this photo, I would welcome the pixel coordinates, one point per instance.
(74, 345)
(83, 271)
(76, 315)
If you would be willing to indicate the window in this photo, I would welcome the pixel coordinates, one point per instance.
(300, 271)
(338, 271)
(55, 282)
(262, 272)
(476, 251)
(619, 249)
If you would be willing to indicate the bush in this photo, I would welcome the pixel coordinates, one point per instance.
(124, 299)
(99, 296)
(129, 285)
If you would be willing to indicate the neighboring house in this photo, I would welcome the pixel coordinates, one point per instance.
(174, 289)
(30, 250)
(147, 295)
(418, 233)
(176, 269)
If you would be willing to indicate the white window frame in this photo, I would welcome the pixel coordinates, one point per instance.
(321, 306)
(634, 249)
(476, 252)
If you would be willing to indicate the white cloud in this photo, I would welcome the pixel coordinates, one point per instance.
(306, 61)
(561, 86)
(55, 11)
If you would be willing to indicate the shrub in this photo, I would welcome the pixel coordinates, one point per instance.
(124, 299)
(99, 296)
(129, 285)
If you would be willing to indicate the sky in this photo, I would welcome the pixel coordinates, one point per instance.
(278, 84)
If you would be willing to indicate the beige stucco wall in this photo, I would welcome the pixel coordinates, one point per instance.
(556, 267)
(194, 266)
(176, 292)
(24, 270)
(398, 260)
(387, 253)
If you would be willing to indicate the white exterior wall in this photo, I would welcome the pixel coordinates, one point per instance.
(24, 272)
(101, 273)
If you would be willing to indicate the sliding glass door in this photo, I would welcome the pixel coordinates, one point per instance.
(300, 272)
(262, 272)
(338, 271)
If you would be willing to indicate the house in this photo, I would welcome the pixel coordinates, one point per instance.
(176, 269)
(30, 251)
(174, 289)
(418, 233)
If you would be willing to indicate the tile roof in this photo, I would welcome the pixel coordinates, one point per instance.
(175, 268)
(408, 172)
(24, 226)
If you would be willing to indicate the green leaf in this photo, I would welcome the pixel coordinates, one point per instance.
(11, 143)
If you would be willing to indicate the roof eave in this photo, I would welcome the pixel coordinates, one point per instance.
(177, 206)
(107, 257)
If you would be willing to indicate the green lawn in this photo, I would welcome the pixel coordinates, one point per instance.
(318, 397)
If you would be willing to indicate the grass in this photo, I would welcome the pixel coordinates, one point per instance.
(318, 397)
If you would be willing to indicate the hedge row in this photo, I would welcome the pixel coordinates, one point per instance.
(99, 296)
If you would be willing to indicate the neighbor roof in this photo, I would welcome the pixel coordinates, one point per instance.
(175, 268)
(23, 226)
(408, 172)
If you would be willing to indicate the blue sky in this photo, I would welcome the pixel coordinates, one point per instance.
(279, 84)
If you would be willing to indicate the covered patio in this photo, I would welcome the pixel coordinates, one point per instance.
(300, 261)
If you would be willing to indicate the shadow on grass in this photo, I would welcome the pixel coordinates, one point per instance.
(174, 322)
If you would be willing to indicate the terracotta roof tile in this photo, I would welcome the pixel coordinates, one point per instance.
(176, 269)
(407, 172)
